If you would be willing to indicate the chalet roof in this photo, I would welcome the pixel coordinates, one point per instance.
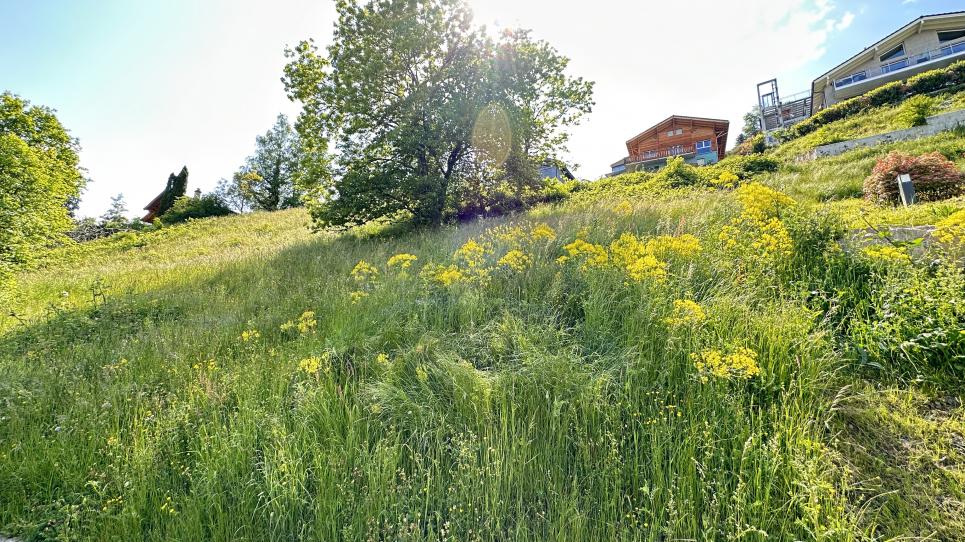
(715, 123)
(916, 25)
(153, 205)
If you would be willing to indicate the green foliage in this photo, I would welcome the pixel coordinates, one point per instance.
(269, 179)
(398, 95)
(677, 173)
(916, 110)
(39, 178)
(175, 188)
(186, 208)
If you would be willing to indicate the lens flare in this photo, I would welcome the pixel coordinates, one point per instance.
(492, 134)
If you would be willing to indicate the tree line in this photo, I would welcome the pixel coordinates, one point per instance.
(412, 113)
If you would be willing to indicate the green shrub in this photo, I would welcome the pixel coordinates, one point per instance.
(935, 177)
(916, 110)
(678, 173)
(185, 208)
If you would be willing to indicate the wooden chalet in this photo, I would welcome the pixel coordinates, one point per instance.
(699, 140)
(152, 208)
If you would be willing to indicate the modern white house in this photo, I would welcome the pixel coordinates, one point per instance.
(926, 43)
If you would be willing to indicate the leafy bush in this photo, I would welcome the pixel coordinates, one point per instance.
(678, 173)
(744, 167)
(916, 110)
(185, 208)
(752, 145)
(935, 177)
(478, 201)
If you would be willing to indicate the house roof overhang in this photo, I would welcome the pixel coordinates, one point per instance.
(935, 21)
(718, 125)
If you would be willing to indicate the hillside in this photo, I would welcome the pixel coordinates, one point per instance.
(691, 364)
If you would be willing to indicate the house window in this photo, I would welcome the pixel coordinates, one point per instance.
(679, 131)
(950, 35)
(894, 53)
(703, 146)
(952, 49)
(669, 133)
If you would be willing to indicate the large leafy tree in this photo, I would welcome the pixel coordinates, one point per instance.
(267, 181)
(541, 100)
(416, 102)
(40, 178)
(396, 95)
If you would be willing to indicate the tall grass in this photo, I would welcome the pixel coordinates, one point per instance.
(219, 380)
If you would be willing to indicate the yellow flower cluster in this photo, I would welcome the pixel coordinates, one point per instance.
(472, 254)
(685, 245)
(515, 259)
(589, 254)
(761, 202)
(542, 232)
(401, 262)
(442, 274)
(365, 274)
(636, 257)
(758, 231)
(306, 323)
(887, 253)
(249, 335)
(313, 364)
(951, 229)
(685, 313)
(624, 208)
(739, 363)
(726, 180)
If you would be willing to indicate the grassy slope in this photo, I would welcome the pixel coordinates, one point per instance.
(876, 121)
(547, 404)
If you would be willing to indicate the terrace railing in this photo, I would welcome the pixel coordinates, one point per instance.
(909, 61)
(678, 150)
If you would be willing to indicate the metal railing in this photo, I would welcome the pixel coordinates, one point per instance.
(679, 150)
(909, 61)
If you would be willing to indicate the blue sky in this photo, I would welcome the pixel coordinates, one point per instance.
(149, 86)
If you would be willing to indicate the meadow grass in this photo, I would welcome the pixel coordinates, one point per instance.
(242, 379)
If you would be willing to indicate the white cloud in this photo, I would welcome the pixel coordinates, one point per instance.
(845, 21)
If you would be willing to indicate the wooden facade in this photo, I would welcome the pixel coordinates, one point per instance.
(696, 139)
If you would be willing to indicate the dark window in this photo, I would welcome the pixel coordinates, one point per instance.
(950, 35)
(703, 146)
(894, 53)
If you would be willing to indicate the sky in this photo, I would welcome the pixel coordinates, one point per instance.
(148, 86)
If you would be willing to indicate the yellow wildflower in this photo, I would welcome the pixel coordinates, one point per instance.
(382, 360)
(623, 208)
(358, 295)
(313, 364)
(739, 363)
(517, 260)
(761, 202)
(401, 261)
(444, 275)
(542, 232)
(647, 266)
(686, 312)
(422, 374)
(364, 272)
(249, 335)
(592, 255)
(726, 180)
(887, 253)
(471, 253)
(951, 229)
(685, 245)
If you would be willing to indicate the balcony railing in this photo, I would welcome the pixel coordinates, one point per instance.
(898, 65)
(679, 150)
